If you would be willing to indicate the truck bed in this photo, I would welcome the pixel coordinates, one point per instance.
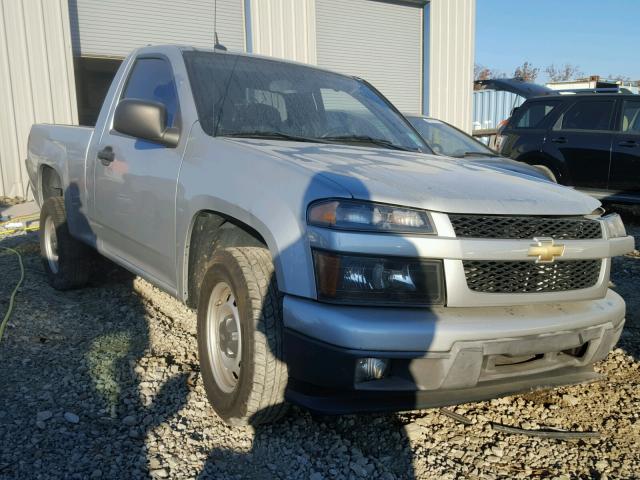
(62, 147)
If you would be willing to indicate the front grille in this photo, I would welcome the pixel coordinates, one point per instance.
(494, 226)
(490, 276)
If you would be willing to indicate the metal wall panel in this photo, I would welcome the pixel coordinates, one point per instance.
(112, 28)
(451, 57)
(36, 80)
(490, 107)
(284, 29)
(376, 40)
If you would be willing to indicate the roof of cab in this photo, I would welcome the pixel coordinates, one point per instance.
(150, 49)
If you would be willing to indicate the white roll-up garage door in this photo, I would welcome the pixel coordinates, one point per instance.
(376, 40)
(115, 27)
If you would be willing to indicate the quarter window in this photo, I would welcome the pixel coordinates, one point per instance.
(532, 115)
(589, 114)
(631, 117)
(152, 79)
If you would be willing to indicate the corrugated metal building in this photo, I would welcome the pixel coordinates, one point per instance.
(57, 57)
(490, 107)
(450, 53)
(36, 80)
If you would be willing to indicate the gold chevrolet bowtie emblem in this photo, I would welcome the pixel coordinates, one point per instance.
(545, 250)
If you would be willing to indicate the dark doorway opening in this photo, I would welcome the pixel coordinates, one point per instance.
(93, 78)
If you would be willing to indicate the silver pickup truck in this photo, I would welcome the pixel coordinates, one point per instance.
(333, 261)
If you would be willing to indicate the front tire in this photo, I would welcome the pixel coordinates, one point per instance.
(66, 261)
(240, 337)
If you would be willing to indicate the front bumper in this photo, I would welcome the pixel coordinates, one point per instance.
(442, 356)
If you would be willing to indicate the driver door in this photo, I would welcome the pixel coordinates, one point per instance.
(135, 182)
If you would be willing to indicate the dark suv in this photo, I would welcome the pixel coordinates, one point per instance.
(590, 141)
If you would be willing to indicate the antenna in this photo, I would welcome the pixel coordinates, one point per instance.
(217, 45)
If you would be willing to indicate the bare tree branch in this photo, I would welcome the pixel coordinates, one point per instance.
(526, 72)
(563, 73)
(480, 72)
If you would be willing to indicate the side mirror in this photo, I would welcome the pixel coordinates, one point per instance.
(145, 119)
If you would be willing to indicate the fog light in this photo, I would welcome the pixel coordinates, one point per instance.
(371, 369)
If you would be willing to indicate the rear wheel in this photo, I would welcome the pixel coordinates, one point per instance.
(240, 337)
(66, 260)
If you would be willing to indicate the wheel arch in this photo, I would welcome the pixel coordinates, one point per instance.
(558, 169)
(50, 183)
(212, 229)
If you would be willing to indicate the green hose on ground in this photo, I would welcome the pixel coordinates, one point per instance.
(7, 315)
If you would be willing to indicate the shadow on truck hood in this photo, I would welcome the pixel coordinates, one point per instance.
(427, 181)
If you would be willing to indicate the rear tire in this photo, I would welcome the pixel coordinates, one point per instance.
(66, 261)
(240, 337)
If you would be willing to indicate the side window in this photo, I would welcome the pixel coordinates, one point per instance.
(152, 79)
(531, 115)
(631, 117)
(589, 114)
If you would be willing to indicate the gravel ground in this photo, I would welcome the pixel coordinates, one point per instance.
(103, 383)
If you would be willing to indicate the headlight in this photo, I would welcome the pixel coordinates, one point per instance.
(368, 216)
(368, 280)
(614, 225)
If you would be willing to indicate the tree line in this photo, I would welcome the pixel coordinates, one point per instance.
(529, 73)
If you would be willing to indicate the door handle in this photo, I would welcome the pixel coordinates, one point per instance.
(106, 156)
(559, 140)
(628, 143)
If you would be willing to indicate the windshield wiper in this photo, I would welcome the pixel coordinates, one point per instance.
(295, 138)
(481, 154)
(367, 139)
(271, 134)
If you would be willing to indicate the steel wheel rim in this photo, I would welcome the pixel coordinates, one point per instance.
(51, 244)
(224, 337)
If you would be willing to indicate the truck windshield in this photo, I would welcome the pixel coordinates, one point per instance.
(241, 96)
(447, 140)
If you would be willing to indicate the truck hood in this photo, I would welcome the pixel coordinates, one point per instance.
(503, 163)
(427, 181)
